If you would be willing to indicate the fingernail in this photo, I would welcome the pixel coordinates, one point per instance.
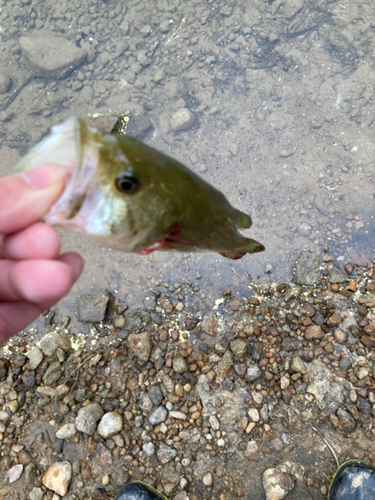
(44, 176)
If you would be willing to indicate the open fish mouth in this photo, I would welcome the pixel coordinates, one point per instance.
(76, 147)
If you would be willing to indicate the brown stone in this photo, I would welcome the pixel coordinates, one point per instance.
(314, 332)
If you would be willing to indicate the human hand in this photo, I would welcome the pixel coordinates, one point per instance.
(33, 273)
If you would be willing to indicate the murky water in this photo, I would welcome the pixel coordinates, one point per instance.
(282, 95)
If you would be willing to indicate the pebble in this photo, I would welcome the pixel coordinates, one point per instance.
(110, 424)
(253, 373)
(166, 453)
(156, 395)
(239, 348)
(158, 416)
(140, 345)
(304, 229)
(252, 449)
(306, 269)
(207, 479)
(4, 366)
(92, 309)
(314, 332)
(57, 477)
(14, 473)
(88, 417)
(36, 494)
(183, 119)
(53, 373)
(297, 365)
(145, 402)
(254, 414)
(67, 431)
(276, 484)
(284, 382)
(337, 276)
(149, 449)
(49, 55)
(35, 356)
(340, 335)
(214, 422)
(179, 364)
(362, 369)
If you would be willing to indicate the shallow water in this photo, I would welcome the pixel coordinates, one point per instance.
(281, 92)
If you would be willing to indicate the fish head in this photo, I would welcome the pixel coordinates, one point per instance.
(111, 192)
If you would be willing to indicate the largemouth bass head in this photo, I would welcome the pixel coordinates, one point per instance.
(109, 191)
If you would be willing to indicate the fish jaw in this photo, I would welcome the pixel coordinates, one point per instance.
(59, 147)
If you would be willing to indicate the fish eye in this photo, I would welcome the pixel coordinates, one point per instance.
(127, 184)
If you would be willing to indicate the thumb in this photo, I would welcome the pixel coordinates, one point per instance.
(25, 198)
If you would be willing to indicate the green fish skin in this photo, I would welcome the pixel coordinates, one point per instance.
(135, 198)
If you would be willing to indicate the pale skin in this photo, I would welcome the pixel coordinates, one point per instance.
(34, 275)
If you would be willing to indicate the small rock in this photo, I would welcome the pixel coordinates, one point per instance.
(345, 363)
(149, 449)
(140, 344)
(191, 323)
(67, 431)
(35, 356)
(284, 382)
(362, 369)
(57, 477)
(156, 395)
(346, 422)
(140, 123)
(253, 373)
(52, 341)
(297, 365)
(92, 308)
(340, 335)
(336, 275)
(4, 366)
(87, 418)
(145, 402)
(36, 494)
(239, 348)
(49, 55)
(251, 449)
(53, 373)
(225, 364)
(276, 484)
(179, 364)
(207, 479)
(314, 332)
(183, 119)
(306, 269)
(166, 453)
(14, 473)
(304, 229)
(110, 424)
(254, 414)
(214, 422)
(158, 416)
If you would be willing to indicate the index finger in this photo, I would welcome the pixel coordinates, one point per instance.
(25, 198)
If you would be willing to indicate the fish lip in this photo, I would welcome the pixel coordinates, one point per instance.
(66, 211)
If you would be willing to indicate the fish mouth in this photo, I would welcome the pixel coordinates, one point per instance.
(74, 146)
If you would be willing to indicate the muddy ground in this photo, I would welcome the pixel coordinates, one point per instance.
(199, 404)
(280, 117)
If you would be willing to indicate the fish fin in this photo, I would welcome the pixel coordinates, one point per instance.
(152, 248)
(243, 220)
(251, 246)
(233, 255)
